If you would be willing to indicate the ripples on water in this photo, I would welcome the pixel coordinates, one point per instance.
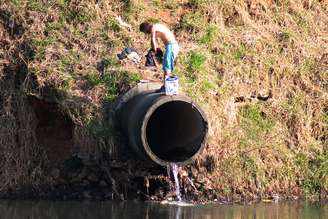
(132, 210)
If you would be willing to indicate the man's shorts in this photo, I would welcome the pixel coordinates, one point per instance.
(171, 52)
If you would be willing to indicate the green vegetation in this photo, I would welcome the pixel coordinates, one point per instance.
(195, 64)
(40, 46)
(171, 4)
(210, 36)
(255, 121)
(113, 81)
(294, 104)
(197, 3)
(313, 178)
(193, 22)
(131, 8)
(241, 52)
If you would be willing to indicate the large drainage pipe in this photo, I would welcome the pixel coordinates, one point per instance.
(165, 129)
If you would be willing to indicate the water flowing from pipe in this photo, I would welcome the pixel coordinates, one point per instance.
(172, 167)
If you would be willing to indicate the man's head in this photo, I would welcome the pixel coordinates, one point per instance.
(145, 27)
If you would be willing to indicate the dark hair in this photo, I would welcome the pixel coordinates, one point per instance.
(145, 27)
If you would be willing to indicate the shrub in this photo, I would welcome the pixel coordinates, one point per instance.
(115, 82)
(193, 22)
(254, 121)
(210, 35)
(194, 64)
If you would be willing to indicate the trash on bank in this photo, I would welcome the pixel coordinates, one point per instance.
(130, 53)
(123, 24)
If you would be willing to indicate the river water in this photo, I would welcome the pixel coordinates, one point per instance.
(138, 210)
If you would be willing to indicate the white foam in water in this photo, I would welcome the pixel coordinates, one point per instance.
(177, 203)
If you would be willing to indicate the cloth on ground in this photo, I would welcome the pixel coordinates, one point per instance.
(150, 57)
(130, 53)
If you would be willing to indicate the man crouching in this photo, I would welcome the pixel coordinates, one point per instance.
(171, 45)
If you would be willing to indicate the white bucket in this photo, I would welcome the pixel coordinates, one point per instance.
(171, 85)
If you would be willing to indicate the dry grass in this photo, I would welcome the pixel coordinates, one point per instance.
(276, 50)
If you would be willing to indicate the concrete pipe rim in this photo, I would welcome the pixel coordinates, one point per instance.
(158, 103)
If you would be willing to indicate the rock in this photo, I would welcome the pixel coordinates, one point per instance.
(84, 183)
(165, 202)
(108, 194)
(90, 163)
(183, 173)
(86, 195)
(84, 173)
(193, 171)
(72, 164)
(93, 178)
(55, 173)
(74, 180)
(102, 183)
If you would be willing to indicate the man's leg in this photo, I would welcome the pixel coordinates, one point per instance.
(176, 50)
(168, 61)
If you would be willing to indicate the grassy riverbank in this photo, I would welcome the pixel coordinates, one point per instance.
(258, 68)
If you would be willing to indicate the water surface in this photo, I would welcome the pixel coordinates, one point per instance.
(136, 210)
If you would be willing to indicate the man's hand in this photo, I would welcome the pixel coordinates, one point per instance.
(154, 57)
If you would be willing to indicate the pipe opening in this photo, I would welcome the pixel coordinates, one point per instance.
(175, 131)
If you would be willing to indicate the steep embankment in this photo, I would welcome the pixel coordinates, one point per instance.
(258, 68)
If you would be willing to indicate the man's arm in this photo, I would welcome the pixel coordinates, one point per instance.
(153, 39)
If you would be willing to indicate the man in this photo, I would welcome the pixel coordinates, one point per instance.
(171, 46)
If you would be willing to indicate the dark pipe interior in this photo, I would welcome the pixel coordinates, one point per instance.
(175, 131)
